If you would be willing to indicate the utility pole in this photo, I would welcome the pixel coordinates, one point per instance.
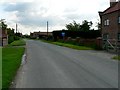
(16, 27)
(47, 30)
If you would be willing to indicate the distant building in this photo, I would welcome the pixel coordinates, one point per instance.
(40, 34)
(110, 25)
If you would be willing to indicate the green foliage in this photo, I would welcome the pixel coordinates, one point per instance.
(71, 42)
(73, 34)
(4, 26)
(116, 57)
(10, 32)
(16, 37)
(26, 36)
(18, 43)
(86, 25)
(72, 46)
(10, 39)
(76, 26)
(69, 45)
(11, 35)
(94, 46)
(0, 67)
(73, 26)
(11, 60)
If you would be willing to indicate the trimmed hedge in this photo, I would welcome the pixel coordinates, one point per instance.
(73, 34)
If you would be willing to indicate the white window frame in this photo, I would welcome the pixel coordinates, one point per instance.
(107, 22)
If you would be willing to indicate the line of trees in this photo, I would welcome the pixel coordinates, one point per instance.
(76, 30)
(12, 36)
(76, 26)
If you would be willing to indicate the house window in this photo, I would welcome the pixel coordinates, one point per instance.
(107, 22)
(118, 19)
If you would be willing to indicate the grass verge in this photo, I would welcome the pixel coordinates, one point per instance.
(20, 42)
(72, 46)
(116, 57)
(69, 45)
(0, 67)
(11, 60)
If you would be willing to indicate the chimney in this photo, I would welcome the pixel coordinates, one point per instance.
(112, 2)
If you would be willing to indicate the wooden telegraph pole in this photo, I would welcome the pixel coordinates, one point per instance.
(16, 27)
(47, 30)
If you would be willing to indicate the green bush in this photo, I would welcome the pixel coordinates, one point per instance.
(16, 38)
(13, 38)
(91, 34)
(10, 39)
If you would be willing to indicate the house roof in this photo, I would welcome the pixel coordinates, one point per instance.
(113, 8)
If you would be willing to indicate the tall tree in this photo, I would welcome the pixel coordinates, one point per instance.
(86, 25)
(4, 26)
(73, 26)
(76, 26)
(99, 26)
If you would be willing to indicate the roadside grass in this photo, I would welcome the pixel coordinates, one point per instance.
(20, 42)
(116, 58)
(0, 67)
(11, 60)
(72, 46)
(69, 45)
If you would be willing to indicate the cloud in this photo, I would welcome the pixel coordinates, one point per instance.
(28, 15)
(17, 7)
(32, 14)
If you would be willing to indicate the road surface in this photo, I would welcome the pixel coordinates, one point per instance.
(52, 66)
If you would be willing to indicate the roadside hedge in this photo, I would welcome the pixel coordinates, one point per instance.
(73, 34)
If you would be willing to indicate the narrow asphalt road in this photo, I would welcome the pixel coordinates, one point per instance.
(52, 66)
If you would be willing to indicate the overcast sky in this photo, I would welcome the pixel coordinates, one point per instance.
(32, 15)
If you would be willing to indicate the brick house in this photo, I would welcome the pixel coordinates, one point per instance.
(3, 37)
(110, 25)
